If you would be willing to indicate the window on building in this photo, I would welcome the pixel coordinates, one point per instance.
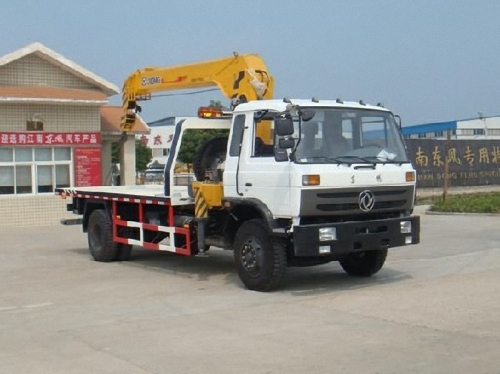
(439, 133)
(34, 125)
(422, 135)
(28, 170)
(479, 132)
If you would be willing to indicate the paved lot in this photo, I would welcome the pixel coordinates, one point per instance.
(434, 308)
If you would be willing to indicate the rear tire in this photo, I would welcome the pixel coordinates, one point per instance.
(364, 264)
(100, 237)
(261, 263)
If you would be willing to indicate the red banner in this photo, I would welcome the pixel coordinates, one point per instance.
(49, 138)
(87, 167)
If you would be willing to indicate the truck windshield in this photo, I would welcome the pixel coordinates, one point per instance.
(349, 136)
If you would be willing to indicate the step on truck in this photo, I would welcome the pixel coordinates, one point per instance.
(284, 183)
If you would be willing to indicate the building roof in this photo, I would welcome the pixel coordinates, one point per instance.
(429, 127)
(43, 94)
(111, 118)
(55, 58)
(448, 125)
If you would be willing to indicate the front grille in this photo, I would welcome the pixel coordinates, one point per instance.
(346, 201)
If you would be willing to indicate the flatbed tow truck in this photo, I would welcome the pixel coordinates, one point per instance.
(288, 183)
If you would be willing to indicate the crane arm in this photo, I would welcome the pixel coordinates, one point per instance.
(240, 78)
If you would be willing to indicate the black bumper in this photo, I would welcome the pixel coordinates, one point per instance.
(354, 236)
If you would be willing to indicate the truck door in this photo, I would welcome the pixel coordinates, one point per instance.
(258, 175)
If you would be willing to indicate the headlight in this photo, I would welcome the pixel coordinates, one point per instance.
(327, 233)
(405, 227)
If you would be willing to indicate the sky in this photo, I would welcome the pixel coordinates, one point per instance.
(426, 60)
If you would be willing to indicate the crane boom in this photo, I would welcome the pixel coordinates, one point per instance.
(240, 78)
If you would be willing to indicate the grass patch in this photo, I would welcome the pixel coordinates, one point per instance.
(469, 203)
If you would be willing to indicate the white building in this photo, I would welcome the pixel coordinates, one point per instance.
(56, 130)
(477, 128)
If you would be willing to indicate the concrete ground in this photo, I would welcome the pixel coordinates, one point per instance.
(434, 308)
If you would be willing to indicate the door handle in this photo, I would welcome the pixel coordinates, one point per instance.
(248, 184)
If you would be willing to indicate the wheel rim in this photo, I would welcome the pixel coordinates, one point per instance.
(250, 256)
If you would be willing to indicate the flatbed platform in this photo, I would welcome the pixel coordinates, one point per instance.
(133, 193)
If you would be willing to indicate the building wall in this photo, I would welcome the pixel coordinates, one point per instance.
(32, 70)
(56, 118)
(33, 209)
(478, 128)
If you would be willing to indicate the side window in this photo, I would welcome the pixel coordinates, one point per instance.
(264, 138)
(238, 128)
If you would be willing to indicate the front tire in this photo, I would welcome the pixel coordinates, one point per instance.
(261, 263)
(364, 264)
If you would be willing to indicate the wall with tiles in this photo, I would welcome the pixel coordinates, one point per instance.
(56, 118)
(32, 70)
(45, 210)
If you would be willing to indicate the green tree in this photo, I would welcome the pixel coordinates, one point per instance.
(193, 139)
(143, 155)
(115, 153)
(215, 104)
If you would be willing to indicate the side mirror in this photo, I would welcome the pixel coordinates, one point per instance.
(281, 155)
(286, 143)
(283, 126)
(307, 114)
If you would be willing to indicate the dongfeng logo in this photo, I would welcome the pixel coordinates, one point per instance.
(366, 200)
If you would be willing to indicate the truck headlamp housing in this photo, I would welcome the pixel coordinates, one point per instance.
(311, 180)
(405, 227)
(327, 234)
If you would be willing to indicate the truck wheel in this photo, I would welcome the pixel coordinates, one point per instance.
(261, 265)
(364, 264)
(100, 237)
(123, 252)
(207, 158)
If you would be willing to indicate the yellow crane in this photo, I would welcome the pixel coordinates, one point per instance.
(241, 78)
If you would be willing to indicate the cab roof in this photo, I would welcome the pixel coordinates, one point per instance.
(281, 105)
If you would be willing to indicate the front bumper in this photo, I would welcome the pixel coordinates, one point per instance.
(355, 236)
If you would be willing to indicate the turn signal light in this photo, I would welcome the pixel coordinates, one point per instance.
(310, 180)
(211, 112)
(410, 176)
(207, 112)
